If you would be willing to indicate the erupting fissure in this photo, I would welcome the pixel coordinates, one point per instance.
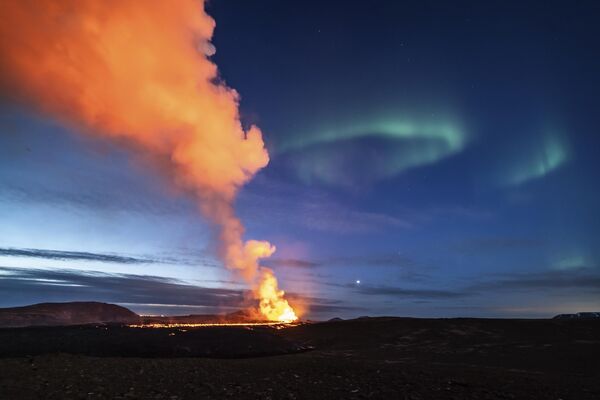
(139, 73)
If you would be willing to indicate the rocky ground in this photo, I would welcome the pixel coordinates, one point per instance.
(378, 358)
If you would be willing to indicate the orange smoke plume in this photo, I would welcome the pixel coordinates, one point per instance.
(135, 71)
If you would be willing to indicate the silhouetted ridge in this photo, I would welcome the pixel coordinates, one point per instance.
(579, 315)
(74, 313)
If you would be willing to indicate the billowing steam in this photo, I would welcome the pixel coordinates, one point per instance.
(138, 72)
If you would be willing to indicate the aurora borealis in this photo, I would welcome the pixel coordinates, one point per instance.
(444, 156)
(549, 154)
(398, 144)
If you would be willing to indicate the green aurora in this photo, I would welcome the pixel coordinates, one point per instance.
(550, 154)
(332, 154)
(338, 154)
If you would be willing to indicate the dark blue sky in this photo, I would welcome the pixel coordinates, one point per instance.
(444, 155)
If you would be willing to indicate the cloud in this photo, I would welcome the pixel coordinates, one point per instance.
(394, 291)
(471, 213)
(579, 281)
(290, 262)
(143, 293)
(73, 171)
(73, 255)
(188, 258)
(403, 266)
(314, 211)
(587, 279)
(378, 260)
(335, 218)
(93, 195)
(328, 309)
(401, 292)
(383, 260)
(149, 294)
(408, 268)
(20, 285)
(496, 244)
(323, 211)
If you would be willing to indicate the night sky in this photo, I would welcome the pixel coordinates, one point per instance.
(427, 159)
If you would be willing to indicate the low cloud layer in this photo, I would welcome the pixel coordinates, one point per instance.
(494, 294)
(583, 279)
(377, 260)
(23, 286)
(181, 258)
(72, 255)
(400, 292)
(488, 244)
(20, 286)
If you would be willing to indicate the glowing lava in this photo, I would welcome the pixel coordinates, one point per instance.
(277, 325)
(272, 304)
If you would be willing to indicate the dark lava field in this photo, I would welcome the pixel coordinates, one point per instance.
(367, 358)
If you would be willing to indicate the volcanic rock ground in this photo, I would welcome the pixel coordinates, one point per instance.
(377, 358)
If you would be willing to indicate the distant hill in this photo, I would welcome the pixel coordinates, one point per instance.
(56, 314)
(579, 315)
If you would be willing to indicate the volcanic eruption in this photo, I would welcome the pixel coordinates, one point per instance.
(139, 73)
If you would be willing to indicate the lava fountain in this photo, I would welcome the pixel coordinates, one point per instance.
(140, 74)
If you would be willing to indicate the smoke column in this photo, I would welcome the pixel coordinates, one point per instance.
(137, 72)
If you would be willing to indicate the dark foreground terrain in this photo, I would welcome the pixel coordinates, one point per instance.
(377, 358)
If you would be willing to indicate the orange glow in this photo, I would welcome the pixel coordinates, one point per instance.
(133, 71)
(273, 305)
(277, 325)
